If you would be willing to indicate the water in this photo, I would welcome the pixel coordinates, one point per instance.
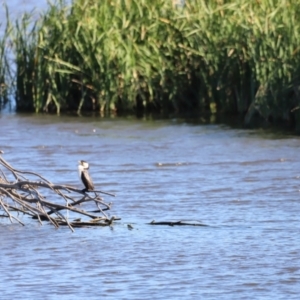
(18, 7)
(243, 184)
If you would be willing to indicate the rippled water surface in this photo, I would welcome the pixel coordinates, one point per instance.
(242, 184)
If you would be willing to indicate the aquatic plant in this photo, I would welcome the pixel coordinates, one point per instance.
(237, 56)
(4, 62)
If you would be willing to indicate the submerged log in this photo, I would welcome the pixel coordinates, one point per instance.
(177, 223)
(94, 222)
(24, 192)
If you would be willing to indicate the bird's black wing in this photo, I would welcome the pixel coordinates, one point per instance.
(87, 180)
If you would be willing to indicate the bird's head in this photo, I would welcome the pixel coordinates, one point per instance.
(84, 164)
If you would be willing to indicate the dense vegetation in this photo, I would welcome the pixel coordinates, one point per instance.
(227, 56)
(4, 66)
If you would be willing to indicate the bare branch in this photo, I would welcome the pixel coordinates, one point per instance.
(28, 197)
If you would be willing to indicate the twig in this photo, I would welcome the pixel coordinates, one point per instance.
(26, 196)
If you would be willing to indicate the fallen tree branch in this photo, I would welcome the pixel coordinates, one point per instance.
(177, 223)
(18, 194)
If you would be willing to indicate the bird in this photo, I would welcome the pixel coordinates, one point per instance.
(84, 175)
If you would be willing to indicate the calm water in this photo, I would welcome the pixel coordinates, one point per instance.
(18, 7)
(243, 184)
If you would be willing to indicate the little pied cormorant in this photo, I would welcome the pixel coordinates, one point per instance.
(84, 175)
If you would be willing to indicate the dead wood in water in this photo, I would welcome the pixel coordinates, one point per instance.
(18, 194)
(177, 223)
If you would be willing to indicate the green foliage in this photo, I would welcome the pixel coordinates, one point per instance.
(4, 64)
(218, 56)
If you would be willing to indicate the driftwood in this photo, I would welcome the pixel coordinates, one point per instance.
(21, 192)
(177, 223)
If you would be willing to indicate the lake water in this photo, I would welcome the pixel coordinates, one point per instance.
(242, 184)
(18, 7)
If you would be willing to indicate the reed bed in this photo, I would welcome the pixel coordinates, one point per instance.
(220, 56)
(4, 64)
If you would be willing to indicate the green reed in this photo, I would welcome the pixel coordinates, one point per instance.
(219, 56)
(4, 62)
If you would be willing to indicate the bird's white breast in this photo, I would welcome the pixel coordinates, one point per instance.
(80, 169)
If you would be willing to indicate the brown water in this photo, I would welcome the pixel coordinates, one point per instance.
(243, 184)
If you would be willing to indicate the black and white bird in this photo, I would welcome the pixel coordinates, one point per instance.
(84, 175)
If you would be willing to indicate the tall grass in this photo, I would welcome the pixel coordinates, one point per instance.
(4, 63)
(237, 56)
